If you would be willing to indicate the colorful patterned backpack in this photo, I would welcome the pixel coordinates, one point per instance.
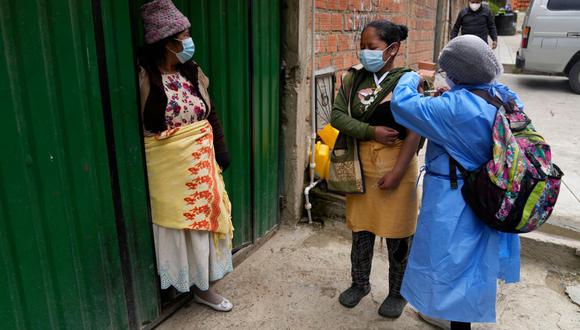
(517, 189)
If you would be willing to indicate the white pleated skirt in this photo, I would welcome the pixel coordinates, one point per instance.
(189, 257)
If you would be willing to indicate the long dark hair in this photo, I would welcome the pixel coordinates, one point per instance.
(154, 54)
(388, 31)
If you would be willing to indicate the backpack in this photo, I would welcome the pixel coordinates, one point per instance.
(515, 191)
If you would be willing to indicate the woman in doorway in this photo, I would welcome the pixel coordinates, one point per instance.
(185, 153)
(388, 208)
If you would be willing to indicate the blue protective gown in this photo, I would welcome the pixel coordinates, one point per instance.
(455, 259)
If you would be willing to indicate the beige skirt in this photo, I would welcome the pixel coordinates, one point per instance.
(386, 213)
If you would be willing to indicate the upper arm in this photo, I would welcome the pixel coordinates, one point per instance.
(144, 87)
(427, 116)
(203, 79)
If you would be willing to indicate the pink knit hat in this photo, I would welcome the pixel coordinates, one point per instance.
(162, 19)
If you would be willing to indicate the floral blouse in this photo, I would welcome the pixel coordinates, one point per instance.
(184, 104)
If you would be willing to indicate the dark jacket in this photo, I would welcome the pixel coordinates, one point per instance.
(155, 104)
(480, 23)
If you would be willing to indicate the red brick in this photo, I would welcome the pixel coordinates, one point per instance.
(322, 4)
(323, 61)
(336, 22)
(345, 42)
(427, 65)
(323, 21)
(331, 43)
(319, 44)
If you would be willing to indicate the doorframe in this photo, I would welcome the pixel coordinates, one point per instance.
(122, 242)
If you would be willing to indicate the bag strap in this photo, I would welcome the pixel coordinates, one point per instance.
(453, 173)
(493, 100)
(453, 167)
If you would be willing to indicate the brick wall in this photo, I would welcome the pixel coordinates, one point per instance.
(339, 24)
(521, 5)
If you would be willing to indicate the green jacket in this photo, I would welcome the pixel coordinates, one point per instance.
(357, 126)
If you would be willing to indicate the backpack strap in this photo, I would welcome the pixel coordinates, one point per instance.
(453, 167)
(493, 100)
(453, 173)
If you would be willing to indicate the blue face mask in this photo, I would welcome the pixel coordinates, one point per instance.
(372, 60)
(188, 50)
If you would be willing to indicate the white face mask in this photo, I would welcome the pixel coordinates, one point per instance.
(449, 82)
(475, 6)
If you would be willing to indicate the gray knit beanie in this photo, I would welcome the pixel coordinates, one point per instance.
(469, 60)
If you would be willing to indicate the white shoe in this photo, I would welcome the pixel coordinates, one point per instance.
(224, 306)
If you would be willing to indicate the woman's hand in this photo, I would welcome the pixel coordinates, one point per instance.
(386, 135)
(390, 180)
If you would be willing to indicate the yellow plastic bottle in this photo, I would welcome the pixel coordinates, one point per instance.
(328, 135)
(322, 160)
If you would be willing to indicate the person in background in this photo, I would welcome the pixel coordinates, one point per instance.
(456, 258)
(478, 20)
(388, 208)
(186, 153)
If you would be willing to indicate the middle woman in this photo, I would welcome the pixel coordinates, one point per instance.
(388, 208)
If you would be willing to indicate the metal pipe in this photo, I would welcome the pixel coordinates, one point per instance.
(312, 184)
(438, 29)
(308, 205)
(313, 94)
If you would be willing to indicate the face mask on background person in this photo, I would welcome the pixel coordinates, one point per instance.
(188, 50)
(372, 60)
(474, 6)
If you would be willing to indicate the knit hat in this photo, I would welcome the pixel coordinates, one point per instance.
(161, 19)
(467, 59)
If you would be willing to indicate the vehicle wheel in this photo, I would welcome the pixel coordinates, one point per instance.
(575, 78)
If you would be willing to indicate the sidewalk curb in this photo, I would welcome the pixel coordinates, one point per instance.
(551, 249)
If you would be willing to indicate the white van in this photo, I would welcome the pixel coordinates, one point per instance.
(551, 39)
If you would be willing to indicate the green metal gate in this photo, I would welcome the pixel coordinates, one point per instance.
(60, 263)
(76, 248)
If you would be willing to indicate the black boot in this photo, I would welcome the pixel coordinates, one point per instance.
(353, 295)
(394, 304)
(392, 307)
(361, 257)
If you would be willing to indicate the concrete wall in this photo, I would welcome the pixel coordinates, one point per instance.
(295, 104)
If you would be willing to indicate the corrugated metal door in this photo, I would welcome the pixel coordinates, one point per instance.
(60, 265)
(265, 114)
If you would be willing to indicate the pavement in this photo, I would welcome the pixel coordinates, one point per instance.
(293, 282)
(507, 49)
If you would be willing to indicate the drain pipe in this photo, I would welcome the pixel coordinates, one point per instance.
(308, 205)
